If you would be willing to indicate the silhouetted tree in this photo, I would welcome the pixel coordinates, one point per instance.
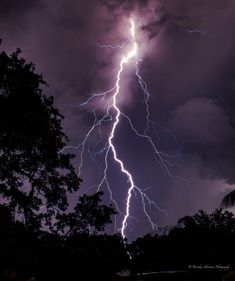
(199, 239)
(89, 216)
(35, 174)
(218, 220)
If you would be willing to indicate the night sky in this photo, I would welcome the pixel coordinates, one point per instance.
(187, 49)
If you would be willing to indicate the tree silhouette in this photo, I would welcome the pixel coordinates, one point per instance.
(201, 239)
(218, 220)
(89, 216)
(35, 174)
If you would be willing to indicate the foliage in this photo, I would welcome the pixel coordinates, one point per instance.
(200, 239)
(89, 216)
(49, 256)
(34, 172)
(218, 220)
(35, 179)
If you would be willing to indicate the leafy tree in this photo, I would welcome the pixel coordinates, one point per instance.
(89, 216)
(199, 239)
(218, 220)
(35, 175)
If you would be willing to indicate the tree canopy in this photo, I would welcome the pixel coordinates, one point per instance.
(34, 173)
(203, 238)
(89, 216)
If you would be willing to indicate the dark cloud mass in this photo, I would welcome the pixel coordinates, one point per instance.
(17, 8)
(188, 64)
(124, 5)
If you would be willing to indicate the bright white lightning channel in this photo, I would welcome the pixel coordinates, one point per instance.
(113, 114)
(125, 60)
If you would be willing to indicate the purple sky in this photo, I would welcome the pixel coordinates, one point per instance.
(187, 49)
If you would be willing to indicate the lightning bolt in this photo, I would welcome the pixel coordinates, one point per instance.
(111, 46)
(125, 60)
(113, 115)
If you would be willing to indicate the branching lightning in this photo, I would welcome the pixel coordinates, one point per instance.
(114, 116)
(111, 46)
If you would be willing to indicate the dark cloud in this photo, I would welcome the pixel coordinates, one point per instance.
(197, 45)
(16, 19)
(204, 128)
(202, 122)
(124, 5)
(16, 8)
